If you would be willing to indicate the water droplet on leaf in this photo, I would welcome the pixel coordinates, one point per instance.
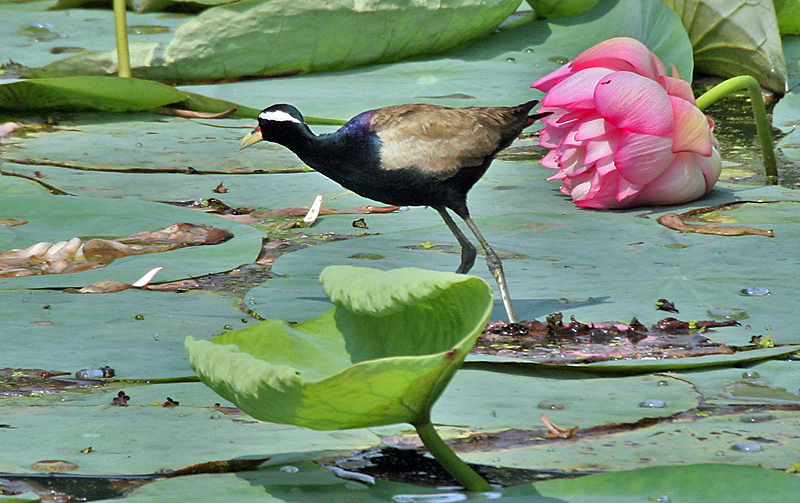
(138, 317)
(750, 374)
(97, 373)
(147, 29)
(727, 313)
(653, 404)
(429, 498)
(290, 469)
(548, 405)
(746, 447)
(662, 383)
(754, 291)
(757, 417)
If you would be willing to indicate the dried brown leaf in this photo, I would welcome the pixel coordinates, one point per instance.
(674, 221)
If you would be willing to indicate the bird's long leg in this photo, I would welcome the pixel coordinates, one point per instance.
(495, 267)
(468, 252)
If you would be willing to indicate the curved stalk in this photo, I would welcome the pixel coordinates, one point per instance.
(465, 475)
(759, 115)
(121, 28)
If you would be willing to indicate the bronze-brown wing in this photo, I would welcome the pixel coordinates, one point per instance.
(441, 141)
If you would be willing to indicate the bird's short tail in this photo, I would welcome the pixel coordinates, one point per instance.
(535, 117)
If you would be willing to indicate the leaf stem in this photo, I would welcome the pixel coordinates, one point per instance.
(465, 475)
(121, 28)
(759, 115)
(158, 380)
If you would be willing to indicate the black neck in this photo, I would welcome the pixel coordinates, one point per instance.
(325, 153)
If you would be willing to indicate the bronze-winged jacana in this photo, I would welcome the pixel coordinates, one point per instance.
(408, 155)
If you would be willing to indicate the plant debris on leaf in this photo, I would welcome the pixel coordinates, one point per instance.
(678, 221)
(18, 382)
(554, 341)
(77, 255)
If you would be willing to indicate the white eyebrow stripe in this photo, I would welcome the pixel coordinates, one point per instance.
(277, 116)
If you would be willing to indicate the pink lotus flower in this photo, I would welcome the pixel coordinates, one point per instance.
(623, 133)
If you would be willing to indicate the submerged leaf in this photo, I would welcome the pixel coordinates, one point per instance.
(382, 355)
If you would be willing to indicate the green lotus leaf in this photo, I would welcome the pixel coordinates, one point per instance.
(383, 354)
(788, 14)
(276, 37)
(732, 38)
(552, 9)
(108, 94)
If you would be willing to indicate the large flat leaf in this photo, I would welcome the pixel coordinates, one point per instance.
(290, 36)
(382, 355)
(309, 483)
(145, 143)
(733, 38)
(143, 436)
(687, 484)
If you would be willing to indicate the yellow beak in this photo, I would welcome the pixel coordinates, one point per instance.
(253, 137)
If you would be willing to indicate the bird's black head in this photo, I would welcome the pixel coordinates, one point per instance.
(278, 123)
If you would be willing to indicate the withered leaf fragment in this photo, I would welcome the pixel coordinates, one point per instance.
(557, 431)
(75, 255)
(665, 305)
(558, 342)
(678, 222)
(121, 399)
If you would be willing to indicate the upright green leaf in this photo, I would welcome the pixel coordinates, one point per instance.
(260, 37)
(382, 355)
(788, 14)
(552, 9)
(733, 38)
(110, 94)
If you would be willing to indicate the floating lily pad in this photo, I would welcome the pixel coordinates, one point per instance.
(691, 484)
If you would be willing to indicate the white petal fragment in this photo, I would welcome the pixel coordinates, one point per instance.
(147, 278)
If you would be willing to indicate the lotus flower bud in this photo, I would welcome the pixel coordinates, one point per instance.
(623, 132)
